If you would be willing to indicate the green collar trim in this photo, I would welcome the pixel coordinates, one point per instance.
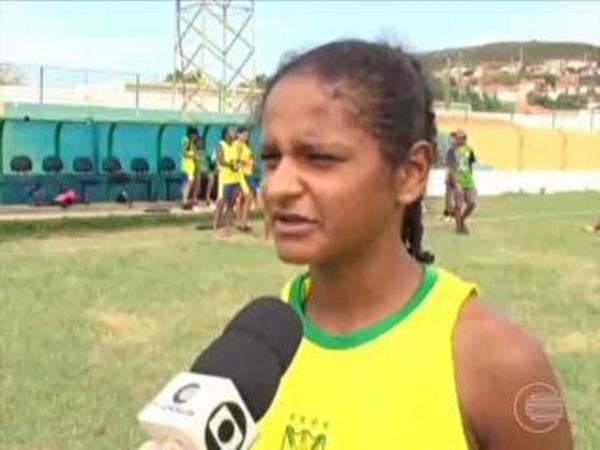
(363, 335)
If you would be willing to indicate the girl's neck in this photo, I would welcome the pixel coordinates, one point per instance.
(362, 288)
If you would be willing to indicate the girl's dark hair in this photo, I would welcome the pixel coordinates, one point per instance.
(191, 130)
(385, 85)
(242, 129)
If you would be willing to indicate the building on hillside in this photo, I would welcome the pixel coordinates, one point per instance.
(568, 85)
(517, 93)
(512, 68)
(553, 66)
(507, 94)
(578, 65)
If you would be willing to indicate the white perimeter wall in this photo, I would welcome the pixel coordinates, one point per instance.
(496, 182)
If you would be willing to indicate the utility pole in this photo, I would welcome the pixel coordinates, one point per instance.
(447, 93)
(461, 88)
(521, 59)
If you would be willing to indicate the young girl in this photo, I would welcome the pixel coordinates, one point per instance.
(247, 186)
(395, 355)
(465, 192)
(189, 166)
(227, 163)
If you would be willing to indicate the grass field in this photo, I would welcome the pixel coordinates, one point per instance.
(92, 325)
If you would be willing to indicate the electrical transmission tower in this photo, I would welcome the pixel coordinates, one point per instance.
(214, 55)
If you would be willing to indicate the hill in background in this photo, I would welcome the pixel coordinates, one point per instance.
(505, 52)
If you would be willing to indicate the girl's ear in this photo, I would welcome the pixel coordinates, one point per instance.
(410, 178)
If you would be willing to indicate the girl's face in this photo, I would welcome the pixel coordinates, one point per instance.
(230, 133)
(328, 191)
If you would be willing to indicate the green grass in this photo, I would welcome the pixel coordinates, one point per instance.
(80, 226)
(92, 325)
(69, 226)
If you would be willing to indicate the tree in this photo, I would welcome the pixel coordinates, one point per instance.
(567, 101)
(563, 101)
(487, 102)
(9, 75)
(550, 79)
(258, 82)
(190, 77)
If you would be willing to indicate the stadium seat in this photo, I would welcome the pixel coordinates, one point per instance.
(21, 164)
(168, 170)
(84, 168)
(140, 168)
(83, 165)
(111, 166)
(53, 165)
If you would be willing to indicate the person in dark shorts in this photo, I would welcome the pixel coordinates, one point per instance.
(465, 197)
(450, 181)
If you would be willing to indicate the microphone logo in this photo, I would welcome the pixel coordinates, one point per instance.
(185, 393)
(226, 428)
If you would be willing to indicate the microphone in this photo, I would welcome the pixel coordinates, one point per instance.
(231, 384)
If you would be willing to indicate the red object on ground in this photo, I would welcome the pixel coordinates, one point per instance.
(65, 198)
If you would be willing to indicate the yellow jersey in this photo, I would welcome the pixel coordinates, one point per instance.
(228, 172)
(245, 157)
(189, 152)
(389, 386)
(246, 164)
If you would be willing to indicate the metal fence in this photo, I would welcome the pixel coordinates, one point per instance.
(582, 120)
(68, 86)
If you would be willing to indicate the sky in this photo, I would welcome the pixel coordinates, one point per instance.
(139, 36)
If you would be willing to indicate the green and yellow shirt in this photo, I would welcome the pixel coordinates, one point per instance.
(389, 386)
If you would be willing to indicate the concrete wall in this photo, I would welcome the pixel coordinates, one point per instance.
(497, 182)
(506, 146)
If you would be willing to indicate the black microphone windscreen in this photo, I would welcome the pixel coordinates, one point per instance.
(254, 351)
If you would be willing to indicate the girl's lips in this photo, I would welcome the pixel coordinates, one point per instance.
(292, 225)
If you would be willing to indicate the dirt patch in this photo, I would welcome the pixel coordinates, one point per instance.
(124, 331)
(576, 342)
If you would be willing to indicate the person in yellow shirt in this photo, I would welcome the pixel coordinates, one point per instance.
(247, 184)
(395, 355)
(190, 156)
(229, 178)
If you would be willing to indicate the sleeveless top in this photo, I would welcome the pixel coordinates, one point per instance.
(228, 174)
(388, 386)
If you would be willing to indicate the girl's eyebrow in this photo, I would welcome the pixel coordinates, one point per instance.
(269, 147)
(305, 143)
(302, 143)
(308, 143)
